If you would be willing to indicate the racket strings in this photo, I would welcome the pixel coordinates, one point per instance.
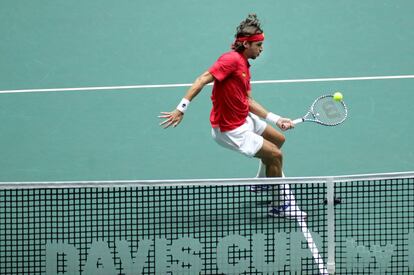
(328, 111)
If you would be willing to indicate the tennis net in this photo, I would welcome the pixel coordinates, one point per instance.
(362, 224)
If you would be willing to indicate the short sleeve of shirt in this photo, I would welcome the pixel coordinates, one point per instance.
(224, 66)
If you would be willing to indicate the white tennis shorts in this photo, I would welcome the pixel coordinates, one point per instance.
(245, 139)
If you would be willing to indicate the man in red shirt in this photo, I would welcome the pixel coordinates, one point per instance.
(235, 116)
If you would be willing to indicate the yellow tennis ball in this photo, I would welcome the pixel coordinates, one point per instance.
(338, 96)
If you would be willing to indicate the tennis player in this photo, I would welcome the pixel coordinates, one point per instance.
(237, 120)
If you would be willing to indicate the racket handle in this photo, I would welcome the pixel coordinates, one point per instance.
(298, 120)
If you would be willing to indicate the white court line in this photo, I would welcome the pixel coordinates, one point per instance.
(312, 247)
(157, 86)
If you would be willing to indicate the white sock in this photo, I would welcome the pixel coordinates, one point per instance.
(261, 172)
(286, 196)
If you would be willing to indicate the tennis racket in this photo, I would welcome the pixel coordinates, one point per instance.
(325, 110)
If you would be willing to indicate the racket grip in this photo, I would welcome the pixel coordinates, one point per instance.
(298, 120)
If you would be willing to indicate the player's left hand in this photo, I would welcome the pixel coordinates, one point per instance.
(171, 118)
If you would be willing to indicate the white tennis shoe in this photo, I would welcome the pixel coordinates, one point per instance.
(260, 188)
(287, 210)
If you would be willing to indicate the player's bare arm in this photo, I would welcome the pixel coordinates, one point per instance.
(257, 109)
(174, 117)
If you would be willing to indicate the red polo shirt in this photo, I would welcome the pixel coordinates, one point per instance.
(229, 97)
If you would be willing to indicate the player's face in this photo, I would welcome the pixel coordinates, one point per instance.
(253, 49)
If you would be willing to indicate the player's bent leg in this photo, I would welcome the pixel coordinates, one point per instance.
(272, 158)
(272, 135)
(270, 164)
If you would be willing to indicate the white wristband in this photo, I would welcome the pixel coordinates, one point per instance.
(272, 118)
(182, 107)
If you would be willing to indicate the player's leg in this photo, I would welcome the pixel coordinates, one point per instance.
(286, 205)
(271, 156)
(277, 138)
(247, 140)
(274, 136)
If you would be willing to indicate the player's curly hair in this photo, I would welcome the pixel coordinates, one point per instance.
(249, 26)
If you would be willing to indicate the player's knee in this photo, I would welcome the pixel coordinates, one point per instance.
(281, 140)
(277, 155)
(275, 137)
(274, 158)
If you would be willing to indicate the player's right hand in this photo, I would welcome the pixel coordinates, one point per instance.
(285, 124)
(171, 118)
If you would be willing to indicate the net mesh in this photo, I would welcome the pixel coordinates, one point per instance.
(204, 229)
(374, 226)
